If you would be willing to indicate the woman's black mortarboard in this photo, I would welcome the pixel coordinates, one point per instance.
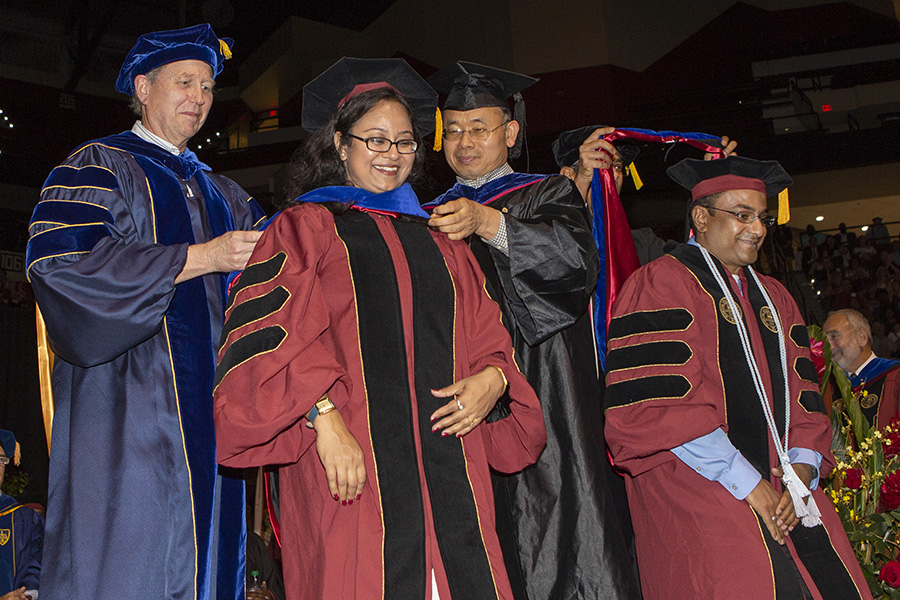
(565, 147)
(469, 86)
(351, 76)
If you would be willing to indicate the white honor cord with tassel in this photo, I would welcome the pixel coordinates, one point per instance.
(804, 504)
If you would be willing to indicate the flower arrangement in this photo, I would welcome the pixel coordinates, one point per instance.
(865, 486)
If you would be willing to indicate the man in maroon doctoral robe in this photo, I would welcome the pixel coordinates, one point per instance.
(706, 359)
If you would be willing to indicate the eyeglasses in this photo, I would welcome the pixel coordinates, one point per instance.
(479, 134)
(381, 144)
(746, 216)
(4, 460)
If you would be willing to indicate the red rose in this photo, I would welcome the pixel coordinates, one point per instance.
(890, 492)
(890, 574)
(853, 479)
(817, 353)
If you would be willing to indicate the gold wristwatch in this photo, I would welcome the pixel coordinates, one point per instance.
(322, 406)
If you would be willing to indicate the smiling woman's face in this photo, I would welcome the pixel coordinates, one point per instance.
(377, 171)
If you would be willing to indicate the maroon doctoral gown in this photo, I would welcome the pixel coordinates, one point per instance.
(375, 311)
(676, 371)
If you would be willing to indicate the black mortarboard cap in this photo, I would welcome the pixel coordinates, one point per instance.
(469, 86)
(351, 76)
(565, 147)
(704, 177)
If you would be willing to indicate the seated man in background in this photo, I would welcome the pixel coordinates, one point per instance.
(875, 379)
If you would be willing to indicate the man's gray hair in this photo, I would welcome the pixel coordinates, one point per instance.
(856, 320)
(134, 103)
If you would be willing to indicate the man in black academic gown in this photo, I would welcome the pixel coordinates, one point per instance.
(530, 233)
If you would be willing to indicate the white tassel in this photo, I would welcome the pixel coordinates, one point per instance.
(804, 508)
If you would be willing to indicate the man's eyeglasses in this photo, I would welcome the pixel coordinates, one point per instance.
(479, 134)
(746, 216)
(4, 460)
(381, 144)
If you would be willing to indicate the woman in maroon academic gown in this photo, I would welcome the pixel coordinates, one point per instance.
(353, 317)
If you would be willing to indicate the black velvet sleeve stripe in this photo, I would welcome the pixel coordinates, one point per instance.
(257, 273)
(246, 347)
(650, 321)
(806, 369)
(649, 354)
(800, 335)
(646, 388)
(255, 309)
(812, 401)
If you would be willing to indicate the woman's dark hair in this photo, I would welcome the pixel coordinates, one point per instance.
(316, 162)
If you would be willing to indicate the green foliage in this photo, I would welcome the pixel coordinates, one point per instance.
(866, 458)
(14, 482)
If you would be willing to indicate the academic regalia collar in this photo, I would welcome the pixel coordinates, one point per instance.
(497, 173)
(402, 200)
(876, 368)
(488, 192)
(6, 502)
(184, 165)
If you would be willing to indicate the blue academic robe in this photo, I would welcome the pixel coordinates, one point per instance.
(21, 538)
(137, 507)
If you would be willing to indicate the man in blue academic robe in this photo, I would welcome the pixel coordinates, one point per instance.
(129, 248)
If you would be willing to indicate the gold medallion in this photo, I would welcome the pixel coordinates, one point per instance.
(838, 406)
(765, 315)
(869, 400)
(725, 309)
(4, 536)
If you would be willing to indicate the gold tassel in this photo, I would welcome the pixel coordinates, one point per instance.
(17, 455)
(638, 184)
(224, 49)
(438, 130)
(45, 368)
(784, 208)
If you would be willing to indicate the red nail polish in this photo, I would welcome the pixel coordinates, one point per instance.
(349, 501)
(444, 434)
(343, 502)
(335, 496)
(433, 418)
(358, 496)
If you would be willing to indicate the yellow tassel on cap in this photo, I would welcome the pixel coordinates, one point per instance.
(224, 49)
(17, 455)
(638, 184)
(438, 130)
(784, 208)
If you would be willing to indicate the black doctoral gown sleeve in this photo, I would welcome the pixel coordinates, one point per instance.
(552, 267)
